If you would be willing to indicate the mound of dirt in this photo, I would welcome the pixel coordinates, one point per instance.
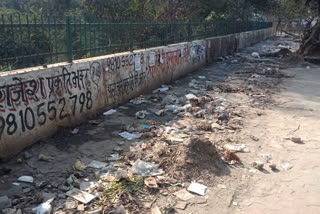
(196, 157)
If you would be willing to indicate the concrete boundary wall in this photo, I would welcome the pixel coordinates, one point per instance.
(35, 102)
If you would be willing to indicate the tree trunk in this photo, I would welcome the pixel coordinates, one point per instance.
(311, 41)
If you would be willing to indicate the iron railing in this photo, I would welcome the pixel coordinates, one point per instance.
(29, 41)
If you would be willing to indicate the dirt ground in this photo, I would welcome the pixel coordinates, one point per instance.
(258, 102)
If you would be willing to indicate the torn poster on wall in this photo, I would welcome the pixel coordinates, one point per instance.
(152, 58)
(137, 62)
(181, 51)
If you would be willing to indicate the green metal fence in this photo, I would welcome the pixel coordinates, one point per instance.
(29, 41)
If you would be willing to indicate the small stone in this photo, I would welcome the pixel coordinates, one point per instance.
(26, 190)
(258, 165)
(80, 207)
(121, 174)
(267, 157)
(296, 139)
(184, 195)
(5, 202)
(273, 166)
(27, 155)
(70, 205)
(121, 143)
(181, 205)
(254, 138)
(43, 157)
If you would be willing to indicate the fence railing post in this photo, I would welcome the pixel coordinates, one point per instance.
(205, 29)
(189, 32)
(167, 31)
(131, 36)
(69, 39)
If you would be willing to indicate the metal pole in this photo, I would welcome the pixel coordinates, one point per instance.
(69, 41)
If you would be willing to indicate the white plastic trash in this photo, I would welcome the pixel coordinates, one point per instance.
(197, 188)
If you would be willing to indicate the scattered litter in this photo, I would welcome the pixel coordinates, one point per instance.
(171, 107)
(121, 143)
(44, 158)
(87, 186)
(258, 165)
(118, 149)
(287, 166)
(138, 101)
(97, 164)
(197, 188)
(26, 179)
(44, 208)
(161, 112)
(202, 77)
(145, 126)
(73, 180)
(121, 174)
(176, 109)
(151, 182)
(113, 157)
(155, 210)
(141, 114)
(160, 90)
(222, 186)
(81, 196)
(231, 156)
(234, 61)
(308, 67)
(181, 205)
(16, 184)
(130, 136)
(184, 195)
(176, 139)
(252, 171)
(79, 166)
(191, 96)
(110, 112)
(267, 157)
(236, 147)
(75, 131)
(234, 203)
(146, 169)
(295, 139)
(255, 55)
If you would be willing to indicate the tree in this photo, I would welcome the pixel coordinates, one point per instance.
(311, 41)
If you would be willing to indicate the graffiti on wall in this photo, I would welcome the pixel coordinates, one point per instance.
(26, 104)
(126, 85)
(119, 62)
(197, 52)
(167, 59)
(132, 74)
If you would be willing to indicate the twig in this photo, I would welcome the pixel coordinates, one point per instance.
(295, 130)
